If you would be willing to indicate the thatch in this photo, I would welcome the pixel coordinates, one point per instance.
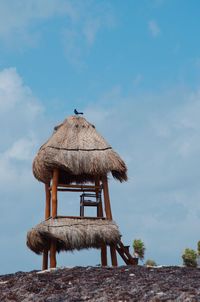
(71, 234)
(79, 152)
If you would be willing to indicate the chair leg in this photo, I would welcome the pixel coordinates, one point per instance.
(113, 255)
(82, 210)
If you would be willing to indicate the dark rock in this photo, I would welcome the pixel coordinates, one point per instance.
(126, 283)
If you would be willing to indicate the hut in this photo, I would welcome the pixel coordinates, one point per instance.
(76, 158)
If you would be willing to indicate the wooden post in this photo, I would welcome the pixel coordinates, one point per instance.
(54, 215)
(109, 216)
(106, 198)
(48, 201)
(54, 193)
(100, 214)
(104, 255)
(113, 255)
(47, 215)
(53, 254)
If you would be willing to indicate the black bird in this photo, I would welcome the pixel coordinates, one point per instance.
(77, 113)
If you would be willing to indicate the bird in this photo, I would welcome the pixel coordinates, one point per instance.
(77, 113)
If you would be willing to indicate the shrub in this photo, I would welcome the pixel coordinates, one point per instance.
(150, 262)
(189, 258)
(139, 248)
(198, 248)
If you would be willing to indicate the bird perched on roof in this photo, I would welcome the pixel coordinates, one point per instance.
(77, 113)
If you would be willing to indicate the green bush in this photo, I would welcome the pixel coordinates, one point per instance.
(189, 258)
(139, 248)
(150, 262)
(198, 248)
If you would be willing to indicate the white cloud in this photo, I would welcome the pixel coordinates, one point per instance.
(19, 108)
(21, 149)
(17, 17)
(14, 92)
(19, 113)
(79, 36)
(20, 24)
(154, 28)
(157, 135)
(22, 128)
(161, 146)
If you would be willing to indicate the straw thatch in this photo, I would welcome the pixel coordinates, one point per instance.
(71, 233)
(79, 152)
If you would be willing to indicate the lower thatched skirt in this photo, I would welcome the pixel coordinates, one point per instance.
(72, 234)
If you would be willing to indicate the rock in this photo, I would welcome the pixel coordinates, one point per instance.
(100, 284)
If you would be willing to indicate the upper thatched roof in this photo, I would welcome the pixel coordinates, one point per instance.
(79, 152)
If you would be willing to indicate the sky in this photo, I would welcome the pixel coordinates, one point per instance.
(133, 68)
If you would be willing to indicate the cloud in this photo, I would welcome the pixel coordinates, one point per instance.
(154, 28)
(18, 19)
(78, 37)
(20, 24)
(21, 117)
(158, 136)
(21, 149)
(19, 108)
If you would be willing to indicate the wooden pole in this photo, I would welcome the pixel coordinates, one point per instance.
(54, 193)
(104, 255)
(54, 215)
(109, 216)
(100, 214)
(48, 201)
(106, 198)
(113, 255)
(47, 215)
(53, 254)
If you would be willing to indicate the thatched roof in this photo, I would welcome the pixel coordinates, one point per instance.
(79, 152)
(70, 234)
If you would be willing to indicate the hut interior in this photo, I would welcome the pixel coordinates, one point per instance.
(77, 158)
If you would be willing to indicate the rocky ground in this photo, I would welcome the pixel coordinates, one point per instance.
(123, 283)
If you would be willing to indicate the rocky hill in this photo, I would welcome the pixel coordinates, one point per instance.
(123, 283)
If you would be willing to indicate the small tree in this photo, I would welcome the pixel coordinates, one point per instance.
(189, 258)
(139, 248)
(150, 262)
(198, 248)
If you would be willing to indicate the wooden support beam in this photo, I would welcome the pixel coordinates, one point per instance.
(104, 255)
(104, 261)
(45, 260)
(113, 255)
(54, 215)
(99, 207)
(109, 216)
(80, 217)
(106, 198)
(82, 187)
(48, 201)
(53, 254)
(54, 193)
(47, 215)
(76, 190)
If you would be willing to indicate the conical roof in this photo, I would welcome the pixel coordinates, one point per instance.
(79, 152)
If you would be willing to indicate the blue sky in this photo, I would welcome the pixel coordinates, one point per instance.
(133, 67)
